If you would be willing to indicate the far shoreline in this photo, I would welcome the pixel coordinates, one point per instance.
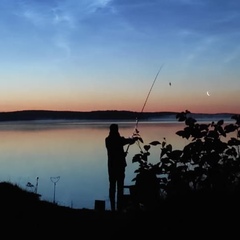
(109, 115)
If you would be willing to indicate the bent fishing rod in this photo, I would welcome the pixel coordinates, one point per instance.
(136, 132)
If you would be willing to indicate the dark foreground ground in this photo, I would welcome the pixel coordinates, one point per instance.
(23, 215)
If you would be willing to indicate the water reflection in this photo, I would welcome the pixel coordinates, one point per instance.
(74, 151)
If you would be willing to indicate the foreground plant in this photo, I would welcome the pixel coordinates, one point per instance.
(209, 163)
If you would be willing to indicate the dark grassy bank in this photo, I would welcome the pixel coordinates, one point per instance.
(23, 214)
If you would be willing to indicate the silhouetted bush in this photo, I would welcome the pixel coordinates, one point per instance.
(208, 166)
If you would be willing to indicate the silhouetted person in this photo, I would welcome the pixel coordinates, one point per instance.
(116, 164)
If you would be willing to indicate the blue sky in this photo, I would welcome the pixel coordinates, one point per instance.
(85, 55)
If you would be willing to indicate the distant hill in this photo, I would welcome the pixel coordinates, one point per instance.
(74, 115)
(28, 115)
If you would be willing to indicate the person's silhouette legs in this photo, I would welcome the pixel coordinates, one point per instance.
(120, 185)
(112, 191)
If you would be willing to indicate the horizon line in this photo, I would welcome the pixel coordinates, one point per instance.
(114, 110)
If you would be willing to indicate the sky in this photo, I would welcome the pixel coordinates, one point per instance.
(134, 55)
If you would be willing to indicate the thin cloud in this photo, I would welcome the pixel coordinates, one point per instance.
(233, 55)
(189, 2)
(58, 21)
(69, 12)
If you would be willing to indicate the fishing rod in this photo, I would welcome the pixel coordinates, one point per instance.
(149, 94)
(136, 132)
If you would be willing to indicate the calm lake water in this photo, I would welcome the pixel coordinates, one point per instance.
(66, 161)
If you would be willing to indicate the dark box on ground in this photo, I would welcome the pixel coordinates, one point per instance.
(99, 205)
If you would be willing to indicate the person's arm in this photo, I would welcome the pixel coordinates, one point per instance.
(130, 141)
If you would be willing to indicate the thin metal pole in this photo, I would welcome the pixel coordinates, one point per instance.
(36, 187)
(54, 180)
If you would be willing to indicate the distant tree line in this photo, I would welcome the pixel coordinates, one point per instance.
(28, 115)
(75, 115)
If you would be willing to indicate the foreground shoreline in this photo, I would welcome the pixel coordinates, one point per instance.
(24, 215)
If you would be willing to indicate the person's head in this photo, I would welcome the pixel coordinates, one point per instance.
(114, 127)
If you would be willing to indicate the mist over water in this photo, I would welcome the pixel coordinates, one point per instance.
(66, 161)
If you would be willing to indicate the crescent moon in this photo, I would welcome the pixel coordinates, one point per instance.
(208, 93)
